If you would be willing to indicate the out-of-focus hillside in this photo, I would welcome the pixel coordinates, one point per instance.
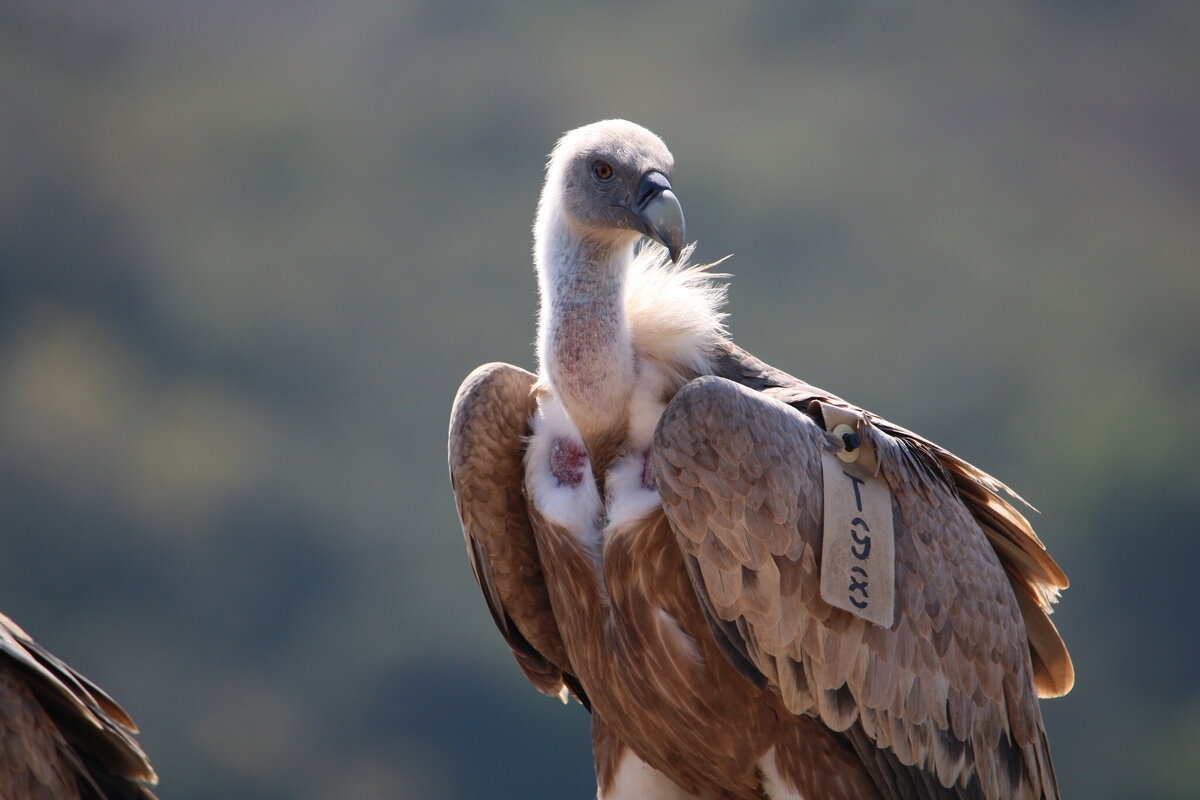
(248, 250)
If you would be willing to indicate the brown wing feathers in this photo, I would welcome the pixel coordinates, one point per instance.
(1036, 579)
(62, 735)
(487, 428)
(947, 690)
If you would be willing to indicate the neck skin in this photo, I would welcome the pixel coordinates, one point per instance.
(584, 344)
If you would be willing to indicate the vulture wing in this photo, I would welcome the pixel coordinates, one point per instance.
(61, 736)
(1035, 578)
(940, 704)
(488, 426)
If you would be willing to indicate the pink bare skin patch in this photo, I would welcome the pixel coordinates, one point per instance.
(648, 473)
(567, 460)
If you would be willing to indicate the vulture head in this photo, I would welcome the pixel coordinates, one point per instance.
(607, 183)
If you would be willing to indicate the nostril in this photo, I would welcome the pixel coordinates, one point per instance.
(653, 183)
(646, 193)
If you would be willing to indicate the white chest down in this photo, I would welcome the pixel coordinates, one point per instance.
(561, 482)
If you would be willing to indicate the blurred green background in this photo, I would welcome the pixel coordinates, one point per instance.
(249, 249)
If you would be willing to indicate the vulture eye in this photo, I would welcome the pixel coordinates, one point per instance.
(602, 170)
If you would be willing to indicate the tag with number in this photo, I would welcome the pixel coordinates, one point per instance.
(858, 563)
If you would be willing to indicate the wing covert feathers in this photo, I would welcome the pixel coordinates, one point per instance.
(488, 425)
(59, 732)
(1035, 578)
(946, 695)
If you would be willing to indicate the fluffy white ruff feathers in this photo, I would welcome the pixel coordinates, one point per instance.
(674, 310)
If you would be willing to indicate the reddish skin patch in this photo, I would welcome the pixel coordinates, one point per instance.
(567, 460)
(648, 481)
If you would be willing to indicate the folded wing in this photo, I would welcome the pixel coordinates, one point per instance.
(940, 704)
(61, 736)
(488, 427)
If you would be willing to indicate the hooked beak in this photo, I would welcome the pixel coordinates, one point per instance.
(661, 215)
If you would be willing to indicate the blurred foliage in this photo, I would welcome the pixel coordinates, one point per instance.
(248, 250)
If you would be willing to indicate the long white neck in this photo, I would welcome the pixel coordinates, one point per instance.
(585, 349)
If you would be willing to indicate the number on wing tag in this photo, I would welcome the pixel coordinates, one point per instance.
(858, 562)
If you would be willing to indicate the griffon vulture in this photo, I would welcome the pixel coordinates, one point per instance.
(61, 736)
(649, 519)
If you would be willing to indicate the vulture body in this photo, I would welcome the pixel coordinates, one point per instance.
(644, 517)
(61, 736)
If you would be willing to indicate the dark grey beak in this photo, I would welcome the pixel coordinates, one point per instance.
(660, 212)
